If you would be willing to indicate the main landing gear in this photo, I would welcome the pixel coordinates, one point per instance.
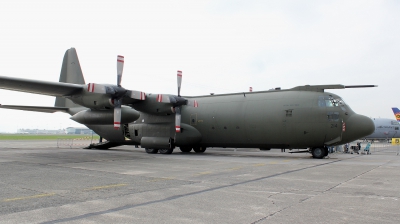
(185, 149)
(319, 152)
(162, 151)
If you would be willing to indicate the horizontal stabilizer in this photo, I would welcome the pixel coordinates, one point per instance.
(36, 109)
(321, 88)
(360, 86)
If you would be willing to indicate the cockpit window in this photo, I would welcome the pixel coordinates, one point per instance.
(395, 122)
(330, 101)
(333, 116)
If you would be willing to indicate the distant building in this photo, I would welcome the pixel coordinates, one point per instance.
(69, 130)
(40, 131)
(78, 131)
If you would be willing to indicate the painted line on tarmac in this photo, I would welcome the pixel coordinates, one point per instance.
(104, 187)
(235, 168)
(29, 197)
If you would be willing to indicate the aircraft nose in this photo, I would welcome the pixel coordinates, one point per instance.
(357, 127)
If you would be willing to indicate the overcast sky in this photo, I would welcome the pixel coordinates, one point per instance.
(221, 47)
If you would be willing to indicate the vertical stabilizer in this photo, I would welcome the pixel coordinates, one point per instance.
(396, 113)
(71, 72)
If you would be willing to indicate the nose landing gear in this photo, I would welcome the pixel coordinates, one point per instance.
(319, 152)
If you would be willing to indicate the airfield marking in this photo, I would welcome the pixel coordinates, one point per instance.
(29, 197)
(260, 164)
(236, 168)
(161, 179)
(104, 187)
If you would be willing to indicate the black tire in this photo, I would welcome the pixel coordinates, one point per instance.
(185, 149)
(318, 152)
(326, 152)
(165, 151)
(151, 151)
(199, 149)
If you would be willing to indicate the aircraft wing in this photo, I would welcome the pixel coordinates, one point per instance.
(36, 108)
(39, 87)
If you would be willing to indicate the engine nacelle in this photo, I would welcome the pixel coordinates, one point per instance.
(94, 101)
(189, 136)
(151, 106)
(102, 117)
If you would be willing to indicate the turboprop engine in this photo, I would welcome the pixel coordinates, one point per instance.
(94, 101)
(101, 117)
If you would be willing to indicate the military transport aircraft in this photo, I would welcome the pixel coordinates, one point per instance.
(304, 117)
(385, 129)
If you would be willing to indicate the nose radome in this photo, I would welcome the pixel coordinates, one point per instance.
(357, 127)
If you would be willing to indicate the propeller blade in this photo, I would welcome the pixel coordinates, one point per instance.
(137, 95)
(177, 119)
(120, 68)
(193, 103)
(96, 88)
(179, 82)
(117, 114)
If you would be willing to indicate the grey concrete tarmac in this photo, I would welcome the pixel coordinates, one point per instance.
(40, 183)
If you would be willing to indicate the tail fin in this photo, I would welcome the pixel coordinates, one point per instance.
(396, 112)
(71, 72)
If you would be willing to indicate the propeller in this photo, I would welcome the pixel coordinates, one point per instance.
(177, 102)
(117, 100)
(117, 92)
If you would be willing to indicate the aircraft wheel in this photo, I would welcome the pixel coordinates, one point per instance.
(198, 149)
(185, 149)
(165, 151)
(318, 152)
(151, 151)
(326, 151)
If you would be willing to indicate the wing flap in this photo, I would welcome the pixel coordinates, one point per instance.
(39, 87)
